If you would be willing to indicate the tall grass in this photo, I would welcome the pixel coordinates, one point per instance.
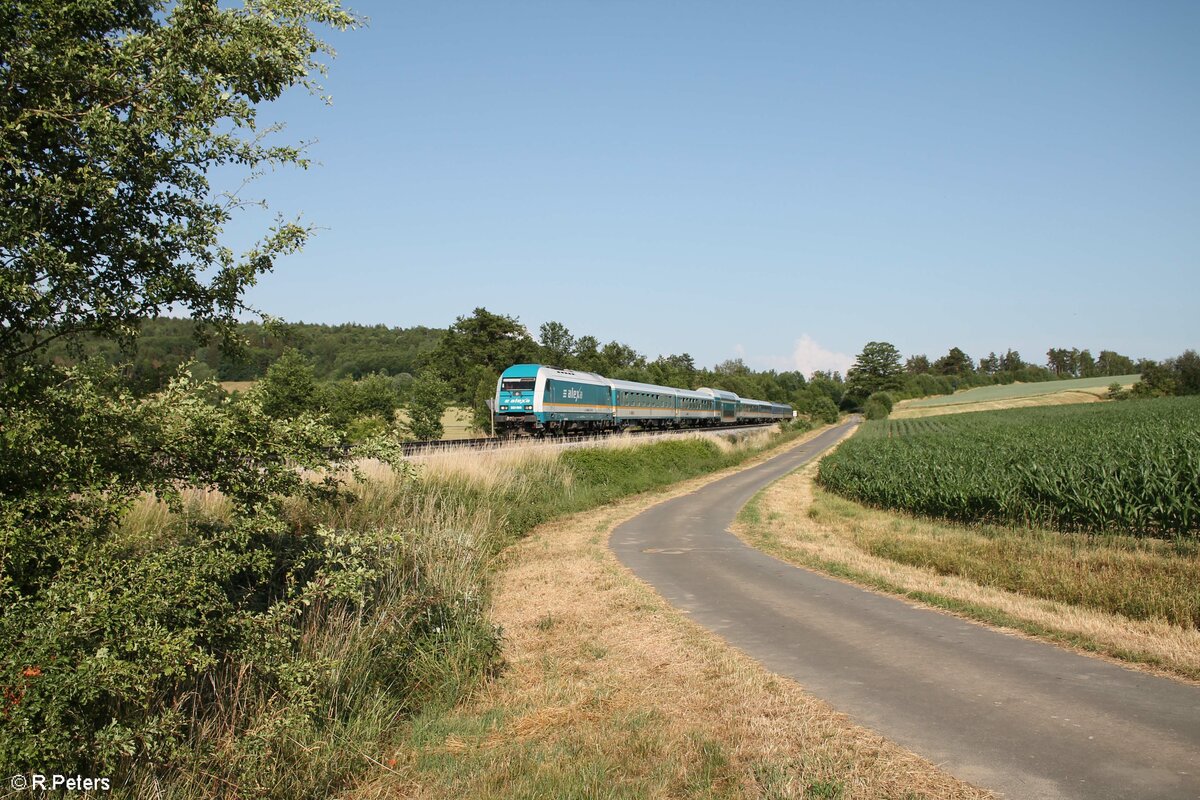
(408, 632)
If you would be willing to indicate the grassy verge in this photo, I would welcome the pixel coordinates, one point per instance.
(400, 627)
(1129, 598)
(609, 693)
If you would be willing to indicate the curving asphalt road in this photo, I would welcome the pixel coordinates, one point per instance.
(1020, 717)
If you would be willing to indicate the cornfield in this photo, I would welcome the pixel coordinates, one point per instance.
(1132, 466)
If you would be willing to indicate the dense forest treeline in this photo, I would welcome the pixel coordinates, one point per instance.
(336, 352)
(352, 371)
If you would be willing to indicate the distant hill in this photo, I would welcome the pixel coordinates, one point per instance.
(1013, 395)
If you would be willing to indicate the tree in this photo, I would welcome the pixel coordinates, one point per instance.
(1158, 380)
(1179, 375)
(617, 359)
(1111, 363)
(1064, 362)
(917, 365)
(114, 116)
(289, 388)
(815, 404)
(558, 343)
(876, 369)
(955, 362)
(1187, 372)
(1011, 361)
(732, 366)
(674, 370)
(828, 383)
(587, 353)
(428, 399)
(483, 339)
(990, 364)
(1087, 364)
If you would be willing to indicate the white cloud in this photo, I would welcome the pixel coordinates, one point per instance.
(808, 357)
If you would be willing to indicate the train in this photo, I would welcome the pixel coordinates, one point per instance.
(538, 400)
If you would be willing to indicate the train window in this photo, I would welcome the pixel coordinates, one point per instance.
(517, 384)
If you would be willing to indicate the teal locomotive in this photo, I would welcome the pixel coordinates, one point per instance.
(536, 399)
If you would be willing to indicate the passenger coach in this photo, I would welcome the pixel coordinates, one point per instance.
(536, 399)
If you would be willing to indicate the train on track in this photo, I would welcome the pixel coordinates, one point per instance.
(533, 399)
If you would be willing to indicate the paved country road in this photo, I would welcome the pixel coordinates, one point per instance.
(1020, 717)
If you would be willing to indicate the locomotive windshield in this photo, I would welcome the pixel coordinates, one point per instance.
(517, 384)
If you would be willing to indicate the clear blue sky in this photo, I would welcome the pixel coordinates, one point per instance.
(780, 181)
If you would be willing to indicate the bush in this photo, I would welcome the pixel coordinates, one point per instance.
(874, 409)
(817, 405)
(113, 648)
(884, 399)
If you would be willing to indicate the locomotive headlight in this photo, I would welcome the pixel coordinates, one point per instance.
(529, 408)
(504, 408)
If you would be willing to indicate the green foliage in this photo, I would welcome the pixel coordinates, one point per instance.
(819, 406)
(485, 340)
(955, 362)
(884, 399)
(113, 651)
(428, 399)
(335, 352)
(485, 390)
(111, 647)
(1176, 376)
(1132, 467)
(557, 344)
(115, 115)
(876, 369)
(615, 472)
(375, 397)
(289, 388)
(875, 408)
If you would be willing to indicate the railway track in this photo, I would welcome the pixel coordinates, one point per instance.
(495, 443)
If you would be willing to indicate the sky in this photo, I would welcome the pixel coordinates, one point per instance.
(780, 182)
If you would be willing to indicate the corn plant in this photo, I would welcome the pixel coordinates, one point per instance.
(1131, 467)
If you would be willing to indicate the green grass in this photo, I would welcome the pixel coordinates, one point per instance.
(627, 755)
(983, 394)
(1132, 467)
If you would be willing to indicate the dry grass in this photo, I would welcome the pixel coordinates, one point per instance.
(456, 423)
(912, 409)
(802, 524)
(488, 468)
(150, 518)
(610, 693)
(1057, 399)
(505, 465)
